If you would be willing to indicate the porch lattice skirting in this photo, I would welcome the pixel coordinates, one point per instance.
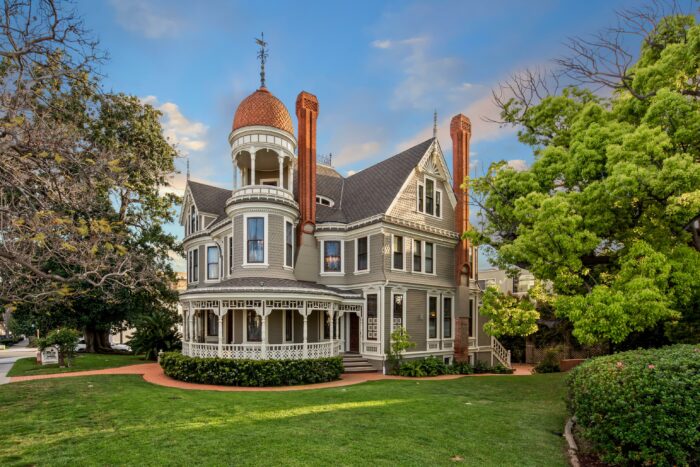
(256, 351)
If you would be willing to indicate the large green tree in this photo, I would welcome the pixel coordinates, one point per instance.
(601, 212)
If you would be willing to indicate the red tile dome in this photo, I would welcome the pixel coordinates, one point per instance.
(263, 109)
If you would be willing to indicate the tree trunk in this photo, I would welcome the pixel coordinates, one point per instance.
(97, 341)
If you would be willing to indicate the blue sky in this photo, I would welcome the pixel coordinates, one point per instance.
(379, 69)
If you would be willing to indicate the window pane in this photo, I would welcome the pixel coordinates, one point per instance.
(398, 311)
(432, 317)
(289, 245)
(429, 195)
(256, 240)
(212, 324)
(421, 196)
(362, 254)
(325, 316)
(230, 253)
(212, 262)
(372, 320)
(398, 252)
(417, 255)
(438, 202)
(470, 317)
(254, 326)
(195, 265)
(447, 318)
(332, 256)
(429, 258)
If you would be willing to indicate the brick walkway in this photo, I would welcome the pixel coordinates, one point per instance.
(153, 373)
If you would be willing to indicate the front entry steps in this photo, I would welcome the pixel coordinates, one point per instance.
(356, 363)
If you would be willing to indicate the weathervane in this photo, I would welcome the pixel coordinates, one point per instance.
(262, 56)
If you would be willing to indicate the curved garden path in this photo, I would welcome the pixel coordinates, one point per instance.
(153, 373)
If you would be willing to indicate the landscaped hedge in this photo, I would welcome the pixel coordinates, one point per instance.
(640, 407)
(433, 366)
(230, 372)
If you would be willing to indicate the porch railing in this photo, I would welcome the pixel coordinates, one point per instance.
(256, 351)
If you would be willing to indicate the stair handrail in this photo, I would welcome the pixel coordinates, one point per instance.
(500, 352)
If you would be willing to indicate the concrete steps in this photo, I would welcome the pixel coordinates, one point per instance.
(355, 363)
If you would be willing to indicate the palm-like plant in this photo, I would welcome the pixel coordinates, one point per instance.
(155, 332)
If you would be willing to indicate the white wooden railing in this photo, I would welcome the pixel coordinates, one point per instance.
(261, 192)
(256, 351)
(501, 353)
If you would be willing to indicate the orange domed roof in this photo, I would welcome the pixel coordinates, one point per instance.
(264, 109)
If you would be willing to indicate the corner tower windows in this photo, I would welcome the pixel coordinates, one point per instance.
(332, 256)
(255, 241)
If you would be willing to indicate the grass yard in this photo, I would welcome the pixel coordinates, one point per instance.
(107, 420)
(82, 362)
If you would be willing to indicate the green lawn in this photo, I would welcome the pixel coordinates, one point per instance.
(82, 362)
(107, 420)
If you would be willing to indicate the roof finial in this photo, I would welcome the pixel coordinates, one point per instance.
(188, 168)
(262, 56)
(435, 124)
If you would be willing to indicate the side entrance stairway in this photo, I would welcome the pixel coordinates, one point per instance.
(356, 363)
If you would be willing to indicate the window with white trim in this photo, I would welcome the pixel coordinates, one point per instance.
(447, 317)
(429, 262)
(397, 256)
(325, 201)
(193, 265)
(333, 256)
(470, 317)
(362, 254)
(429, 198)
(432, 317)
(194, 220)
(212, 262)
(288, 244)
(372, 317)
(230, 254)
(397, 311)
(255, 228)
(417, 256)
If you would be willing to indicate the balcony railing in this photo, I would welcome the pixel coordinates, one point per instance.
(262, 193)
(258, 351)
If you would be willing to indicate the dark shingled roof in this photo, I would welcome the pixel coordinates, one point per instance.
(362, 195)
(209, 198)
(270, 284)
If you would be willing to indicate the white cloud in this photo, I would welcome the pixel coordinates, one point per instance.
(178, 262)
(356, 152)
(146, 19)
(350, 173)
(517, 164)
(186, 134)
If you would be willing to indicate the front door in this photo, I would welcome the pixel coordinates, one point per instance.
(354, 333)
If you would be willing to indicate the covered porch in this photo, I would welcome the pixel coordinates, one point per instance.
(262, 329)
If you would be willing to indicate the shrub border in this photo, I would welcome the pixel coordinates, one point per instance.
(250, 373)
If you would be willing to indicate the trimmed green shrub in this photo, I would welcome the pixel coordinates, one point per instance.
(550, 362)
(228, 372)
(64, 340)
(430, 366)
(640, 407)
(462, 368)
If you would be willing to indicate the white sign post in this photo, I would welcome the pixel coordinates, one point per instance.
(49, 355)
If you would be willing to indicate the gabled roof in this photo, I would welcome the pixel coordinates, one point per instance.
(209, 199)
(372, 190)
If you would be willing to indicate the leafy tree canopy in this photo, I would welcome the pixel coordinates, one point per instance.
(601, 213)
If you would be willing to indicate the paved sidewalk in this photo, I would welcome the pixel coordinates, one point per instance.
(9, 356)
(153, 373)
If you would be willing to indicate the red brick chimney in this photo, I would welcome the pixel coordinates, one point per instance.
(461, 132)
(307, 113)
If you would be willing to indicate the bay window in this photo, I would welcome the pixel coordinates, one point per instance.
(447, 317)
(212, 262)
(362, 263)
(332, 256)
(432, 317)
(256, 240)
(372, 320)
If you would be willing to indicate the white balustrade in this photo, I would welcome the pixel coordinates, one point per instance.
(253, 350)
(501, 353)
(262, 192)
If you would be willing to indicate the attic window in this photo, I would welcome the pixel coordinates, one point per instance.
(324, 201)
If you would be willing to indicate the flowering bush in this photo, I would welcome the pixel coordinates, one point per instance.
(640, 407)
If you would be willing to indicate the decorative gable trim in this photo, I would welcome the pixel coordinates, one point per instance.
(436, 167)
(408, 180)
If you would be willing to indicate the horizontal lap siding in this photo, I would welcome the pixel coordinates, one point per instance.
(375, 257)
(443, 262)
(416, 317)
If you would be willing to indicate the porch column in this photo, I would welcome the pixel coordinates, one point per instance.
(264, 335)
(252, 167)
(280, 159)
(190, 325)
(306, 335)
(221, 334)
(332, 318)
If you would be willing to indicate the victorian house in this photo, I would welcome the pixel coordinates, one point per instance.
(297, 261)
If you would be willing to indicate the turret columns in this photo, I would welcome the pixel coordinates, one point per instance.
(252, 166)
(280, 159)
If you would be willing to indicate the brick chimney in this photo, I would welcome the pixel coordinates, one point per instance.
(461, 132)
(307, 113)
